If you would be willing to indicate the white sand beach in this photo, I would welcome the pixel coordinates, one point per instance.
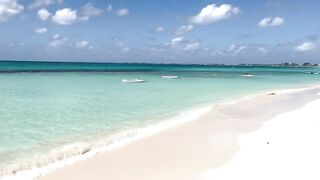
(270, 136)
(159, 90)
(286, 147)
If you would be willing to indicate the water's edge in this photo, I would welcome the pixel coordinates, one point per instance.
(81, 152)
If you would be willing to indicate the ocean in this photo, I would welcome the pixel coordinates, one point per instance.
(50, 111)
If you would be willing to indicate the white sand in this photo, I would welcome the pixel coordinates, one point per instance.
(293, 151)
(229, 142)
(257, 137)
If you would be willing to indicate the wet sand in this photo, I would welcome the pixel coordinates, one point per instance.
(195, 150)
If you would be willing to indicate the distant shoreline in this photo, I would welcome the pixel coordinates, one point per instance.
(163, 64)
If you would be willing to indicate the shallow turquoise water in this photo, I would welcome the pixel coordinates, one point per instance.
(44, 106)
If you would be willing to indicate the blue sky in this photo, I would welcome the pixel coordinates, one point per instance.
(165, 31)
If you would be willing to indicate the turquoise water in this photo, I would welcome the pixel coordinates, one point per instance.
(46, 106)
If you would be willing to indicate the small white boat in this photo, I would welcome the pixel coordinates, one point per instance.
(132, 80)
(247, 75)
(170, 77)
(315, 73)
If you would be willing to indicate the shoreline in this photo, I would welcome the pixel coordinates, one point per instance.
(133, 136)
(113, 142)
(149, 63)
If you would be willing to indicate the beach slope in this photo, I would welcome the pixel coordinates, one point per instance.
(233, 140)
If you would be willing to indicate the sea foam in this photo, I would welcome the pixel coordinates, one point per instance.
(70, 154)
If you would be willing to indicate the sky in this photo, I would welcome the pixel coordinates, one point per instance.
(161, 31)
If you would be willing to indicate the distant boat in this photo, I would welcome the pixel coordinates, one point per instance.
(247, 75)
(133, 80)
(170, 77)
(312, 73)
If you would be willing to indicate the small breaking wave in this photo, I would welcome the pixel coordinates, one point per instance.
(72, 153)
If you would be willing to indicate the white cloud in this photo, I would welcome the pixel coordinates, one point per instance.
(277, 21)
(306, 46)
(12, 44)
(192, 46)
(119, 44)
(236, 49)
(271, 22)
(82, 44)
(154, 48)
(43, 14)
(160, 29)
(176, 41)
(240, 49)
(42, 3)
(184, 28)
(181, 43)
(8, 9)
(57, 40)
(41, 30)
(232, 47)
(89, 10)
(213, 13)
(65, 16)
(56, 36)
(109, 8)
(263, 50)
(126, 49)
(122, 12)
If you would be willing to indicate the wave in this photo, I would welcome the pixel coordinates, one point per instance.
(72, 153)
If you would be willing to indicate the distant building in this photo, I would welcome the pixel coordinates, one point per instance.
(307, 64)
(289, 64)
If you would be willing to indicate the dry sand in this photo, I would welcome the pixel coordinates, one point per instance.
(217, 146)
